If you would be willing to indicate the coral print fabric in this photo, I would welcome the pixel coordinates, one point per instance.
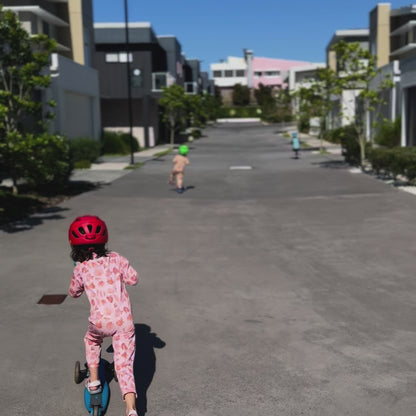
(103, 280)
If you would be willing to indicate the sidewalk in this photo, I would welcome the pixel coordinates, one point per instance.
(314, 141)
(110, 168)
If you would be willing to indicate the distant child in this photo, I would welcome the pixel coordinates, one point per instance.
(295, 144)
(103, 274)
(179, 163)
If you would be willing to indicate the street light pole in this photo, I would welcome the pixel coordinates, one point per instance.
(126, 17)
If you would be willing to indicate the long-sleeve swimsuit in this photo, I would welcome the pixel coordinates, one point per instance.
(103, 279)
(179, 163)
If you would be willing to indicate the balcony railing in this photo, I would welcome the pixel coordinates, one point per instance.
(160, 80)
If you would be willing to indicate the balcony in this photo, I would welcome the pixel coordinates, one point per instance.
(36, 20)
(161, 80)
(404, 29)
(39, 12)
(410, 47)
(191, 88)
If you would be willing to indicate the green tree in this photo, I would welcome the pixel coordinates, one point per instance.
(241, 95)
(195, 112)
(23, 60)
(356, 70)
(173, 103)
(212, 105)
(283, 104)
(265, 100)
(316, 100)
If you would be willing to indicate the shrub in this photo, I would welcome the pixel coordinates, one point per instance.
(349, 142)
(303, 124)
(118, 143)
(196, 133)
(49, 159)
(389, 133)
(82, 164)
(238, 112)
(394, 162)
(84, 150)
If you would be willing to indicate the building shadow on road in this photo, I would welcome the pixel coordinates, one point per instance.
(145, 363)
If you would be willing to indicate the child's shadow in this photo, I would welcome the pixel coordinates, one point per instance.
(144, 363)
(144, 366)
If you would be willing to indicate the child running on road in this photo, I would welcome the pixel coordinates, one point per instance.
(179, 163)
(295, 144)
(103, 274)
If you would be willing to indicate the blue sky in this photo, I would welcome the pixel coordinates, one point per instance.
(210, 30)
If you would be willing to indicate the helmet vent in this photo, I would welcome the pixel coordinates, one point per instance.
(81, 230)
(98, 229)
(89, 226)
(74, 234)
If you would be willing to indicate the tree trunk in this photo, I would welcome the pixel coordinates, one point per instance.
(362, 141)
(172, 135)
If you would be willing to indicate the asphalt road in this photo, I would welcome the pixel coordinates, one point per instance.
(285, 289)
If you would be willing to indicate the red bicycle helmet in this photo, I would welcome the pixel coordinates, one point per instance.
(87, 229)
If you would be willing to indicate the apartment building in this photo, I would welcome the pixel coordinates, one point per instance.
(74, 83)
(155, 62)
(344, 108)
(303, 77)
(403, 49)
(393, 41)
(250, 71)
(148, 64)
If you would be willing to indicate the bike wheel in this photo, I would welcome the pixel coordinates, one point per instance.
(77, 373)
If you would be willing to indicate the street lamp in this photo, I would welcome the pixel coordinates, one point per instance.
(126, 19)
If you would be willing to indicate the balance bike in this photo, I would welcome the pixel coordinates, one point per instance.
(96, 403)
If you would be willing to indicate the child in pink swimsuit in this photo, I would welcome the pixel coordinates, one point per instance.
(179, 163)
(103, 276)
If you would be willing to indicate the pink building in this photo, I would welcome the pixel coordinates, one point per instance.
(270, 72)
(251, 71)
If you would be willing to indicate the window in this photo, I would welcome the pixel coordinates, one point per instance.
(122, 56)
(228, 73)
(116, 57)
(240, 73)
(272, 73)
(190, 87)
(159, 80)
(258, 73)
(46, 29)
(86, 48)
(217, 74)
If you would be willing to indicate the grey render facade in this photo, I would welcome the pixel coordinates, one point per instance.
(393, 39)
(155, 62)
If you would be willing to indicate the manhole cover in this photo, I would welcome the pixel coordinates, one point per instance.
(51, 299)
(241, 167)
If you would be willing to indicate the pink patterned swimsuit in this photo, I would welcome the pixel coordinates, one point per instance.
(103, 279)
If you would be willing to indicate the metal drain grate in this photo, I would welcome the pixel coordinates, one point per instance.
(51, 299)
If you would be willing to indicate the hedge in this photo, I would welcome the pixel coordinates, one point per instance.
(394, 162)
